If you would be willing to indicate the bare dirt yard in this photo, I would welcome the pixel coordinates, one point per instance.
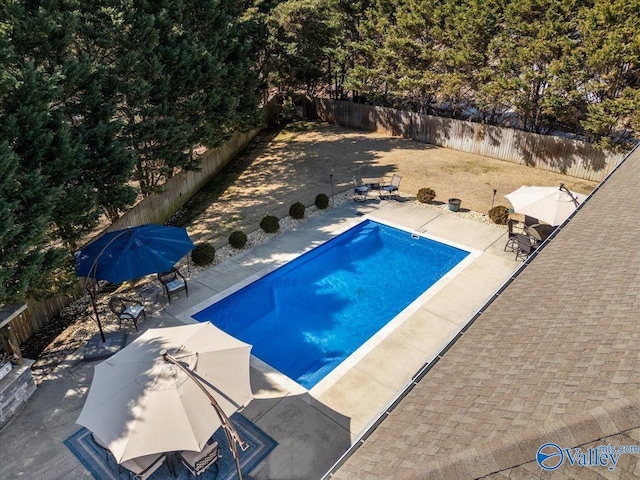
(296, 163)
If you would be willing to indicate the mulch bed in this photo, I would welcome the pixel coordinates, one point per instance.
(64, 334)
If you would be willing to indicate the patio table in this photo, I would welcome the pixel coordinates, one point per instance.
(373, 183)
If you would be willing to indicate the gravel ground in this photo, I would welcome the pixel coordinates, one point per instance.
(296, 164)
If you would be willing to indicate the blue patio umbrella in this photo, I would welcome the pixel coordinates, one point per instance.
(132, 253)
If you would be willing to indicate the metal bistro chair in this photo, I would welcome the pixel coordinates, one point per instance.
(142, 467)
(512, 242)
(198, 462)
(524, 247)
(360, 190)
(391, 188)
(126, 309)
(103, 446)
(173, 282)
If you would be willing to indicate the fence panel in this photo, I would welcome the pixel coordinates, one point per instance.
(37, 314)
(567, 156)
(158, 207)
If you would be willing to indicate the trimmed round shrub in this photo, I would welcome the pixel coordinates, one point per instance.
(238, 239)
(499, 215)
(426, 195)
(203, 254)
(296, 211)
(270, 224)
(322, 201)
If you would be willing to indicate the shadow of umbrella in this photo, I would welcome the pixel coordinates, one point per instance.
(129, 254)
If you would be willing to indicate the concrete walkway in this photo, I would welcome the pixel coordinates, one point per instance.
(312, 428)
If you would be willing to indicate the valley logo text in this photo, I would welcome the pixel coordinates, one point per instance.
(551, 456)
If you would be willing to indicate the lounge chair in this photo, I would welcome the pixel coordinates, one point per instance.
(360, 190)
(127, 309)
(173, 282)
(142, 467)
(391, 188)
(198, 462)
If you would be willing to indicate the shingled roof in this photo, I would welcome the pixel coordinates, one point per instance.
(554, 358)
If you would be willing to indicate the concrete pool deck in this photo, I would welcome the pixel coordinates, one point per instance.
(313, 429)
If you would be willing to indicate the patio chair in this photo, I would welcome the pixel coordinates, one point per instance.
(524, 247)
(360, 190)
(102, 446)
(198, 462)
(142, 467)
(391, 188)
(512, 241)
(173, 282)
(127, 309)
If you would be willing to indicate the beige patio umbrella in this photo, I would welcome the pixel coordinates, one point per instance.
(139, 404)
(552, 205)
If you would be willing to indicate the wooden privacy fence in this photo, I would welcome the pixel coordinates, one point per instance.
(159, 207)
(36, 315)
(566, 156)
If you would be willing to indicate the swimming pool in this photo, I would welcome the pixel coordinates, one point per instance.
(309, 315)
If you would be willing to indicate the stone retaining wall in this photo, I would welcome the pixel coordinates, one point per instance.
(15, 390)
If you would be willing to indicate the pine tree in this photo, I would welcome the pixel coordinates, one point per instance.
(186, 81)
(609, 77)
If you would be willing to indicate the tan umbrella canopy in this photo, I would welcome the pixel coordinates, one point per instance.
(139, 404)
(552, 205)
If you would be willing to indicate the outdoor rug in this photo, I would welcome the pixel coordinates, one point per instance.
(260, 445)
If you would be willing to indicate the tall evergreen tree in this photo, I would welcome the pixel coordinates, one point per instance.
(302, 36)
(609, 73)
(53, 175)
(186, 81)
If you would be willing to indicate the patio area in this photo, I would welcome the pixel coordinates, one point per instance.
(312, 428)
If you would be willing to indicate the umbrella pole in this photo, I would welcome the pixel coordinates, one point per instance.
(575, 200)
(92, 294)
(233, 438)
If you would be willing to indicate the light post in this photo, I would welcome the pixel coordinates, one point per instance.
(233, 438)
(332, 200)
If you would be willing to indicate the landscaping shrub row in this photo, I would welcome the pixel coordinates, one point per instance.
(204, 252)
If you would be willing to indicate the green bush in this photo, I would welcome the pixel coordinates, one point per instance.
(296, 211)
(322, 201)
(499, 215)
(426, 195)
(270, 224)
(203, 254)
(238, 239)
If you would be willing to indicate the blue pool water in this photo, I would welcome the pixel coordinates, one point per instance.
(307, 316)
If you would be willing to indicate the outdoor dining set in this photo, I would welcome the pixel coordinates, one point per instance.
(538, 211)
(386, 187)
(160, 399)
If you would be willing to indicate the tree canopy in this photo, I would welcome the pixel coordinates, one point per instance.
(538, 65)
(98, 97)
